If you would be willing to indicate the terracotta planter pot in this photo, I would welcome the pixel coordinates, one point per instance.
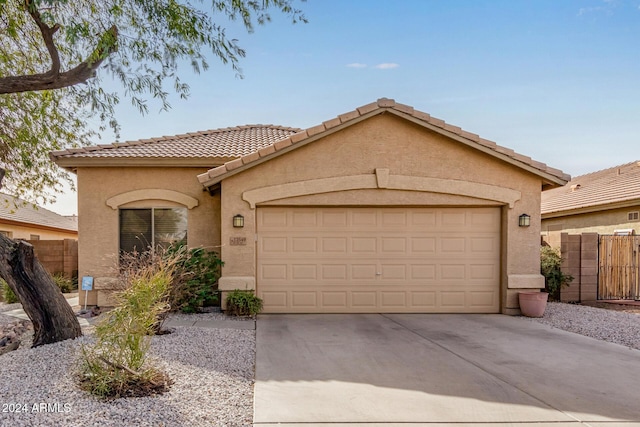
(533, 304)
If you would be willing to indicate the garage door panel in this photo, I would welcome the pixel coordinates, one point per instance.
(276, 300)
(452, 245)
(423, 245)
(390, 272)
(304, 244)
(333, 300)
(393, 245)
(378, 259)
(304, 272)
(301, 219)
(393, 299)
(336, 218)
(365, 272)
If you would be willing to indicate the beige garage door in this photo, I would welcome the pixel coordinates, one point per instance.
(376, 260)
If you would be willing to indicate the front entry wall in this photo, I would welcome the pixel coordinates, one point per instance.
(378, 260)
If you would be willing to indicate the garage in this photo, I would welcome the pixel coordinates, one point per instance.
(378, 259)
(384, 209)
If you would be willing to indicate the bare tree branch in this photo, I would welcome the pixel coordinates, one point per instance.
(47, 35)
(54, 79)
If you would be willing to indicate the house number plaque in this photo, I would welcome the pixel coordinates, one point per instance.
(238, 241)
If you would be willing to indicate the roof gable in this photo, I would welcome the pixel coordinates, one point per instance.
(605, 189)
(550, 176)
(204, 148)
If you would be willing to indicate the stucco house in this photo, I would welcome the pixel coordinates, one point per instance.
(23, 220)
(604, 202)
(381, 209)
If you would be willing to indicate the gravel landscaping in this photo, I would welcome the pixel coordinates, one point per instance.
(612, 325)
(213, 370)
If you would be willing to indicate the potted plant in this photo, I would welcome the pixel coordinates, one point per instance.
(533, 304)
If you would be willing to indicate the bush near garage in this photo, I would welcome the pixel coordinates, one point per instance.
(550, 268)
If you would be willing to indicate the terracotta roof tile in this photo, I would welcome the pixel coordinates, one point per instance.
(222, 143)
(283, 143)
(315, 130)
(349, 116)
(368, 108)
(613, 185)
(267, 150)
(385, 104)
(15, 209)
(332, 123)
(254, 156)
(297, 137)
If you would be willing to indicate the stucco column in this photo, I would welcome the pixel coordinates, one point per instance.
(522, 253)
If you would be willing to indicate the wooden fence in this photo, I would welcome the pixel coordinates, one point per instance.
(618, 267)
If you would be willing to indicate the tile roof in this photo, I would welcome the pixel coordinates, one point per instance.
(553, 177)
(594, 191)
(15, 209)
(209, 145)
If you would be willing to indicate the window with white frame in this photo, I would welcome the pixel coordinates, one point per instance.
(633, 216)
(141, 229)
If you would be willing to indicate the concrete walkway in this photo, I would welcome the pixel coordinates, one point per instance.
(216, 324)
(73, 302)
(439, 370)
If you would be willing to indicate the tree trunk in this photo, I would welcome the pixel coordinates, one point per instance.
(52, 317)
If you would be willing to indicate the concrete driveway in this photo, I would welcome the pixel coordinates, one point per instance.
(460, 370)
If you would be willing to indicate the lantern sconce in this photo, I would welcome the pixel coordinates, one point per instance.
(238, 221)
(524, 220)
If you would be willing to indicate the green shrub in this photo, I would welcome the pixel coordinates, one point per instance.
(7, 293)
(65, 284)
(196, 279)
(243, 303)
(116, 365)
(550, 268)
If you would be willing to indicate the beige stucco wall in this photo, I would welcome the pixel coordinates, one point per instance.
(405, 150)
(604, 222)
(98, 222)
(25, 232)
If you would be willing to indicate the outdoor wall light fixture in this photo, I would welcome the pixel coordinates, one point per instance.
(524, 220)
(238, 221)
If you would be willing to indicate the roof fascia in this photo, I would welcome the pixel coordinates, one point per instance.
(37, 226)
(75, 163)
(591, 209)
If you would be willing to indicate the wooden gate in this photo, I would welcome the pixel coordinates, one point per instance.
(619, 263)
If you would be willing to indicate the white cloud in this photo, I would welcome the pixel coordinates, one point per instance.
(357, 65)
(607, 7)
(386, 66)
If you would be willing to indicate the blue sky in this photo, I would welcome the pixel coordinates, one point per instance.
(555, 80)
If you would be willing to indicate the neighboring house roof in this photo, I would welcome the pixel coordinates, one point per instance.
(16, 211)
(205, 148)
(551, 177)
(616, 187)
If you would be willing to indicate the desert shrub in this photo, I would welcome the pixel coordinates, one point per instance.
(117, 365)
(196, 279)
(65, 284)
(7, 293)
(550, 268)
(243, 303)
